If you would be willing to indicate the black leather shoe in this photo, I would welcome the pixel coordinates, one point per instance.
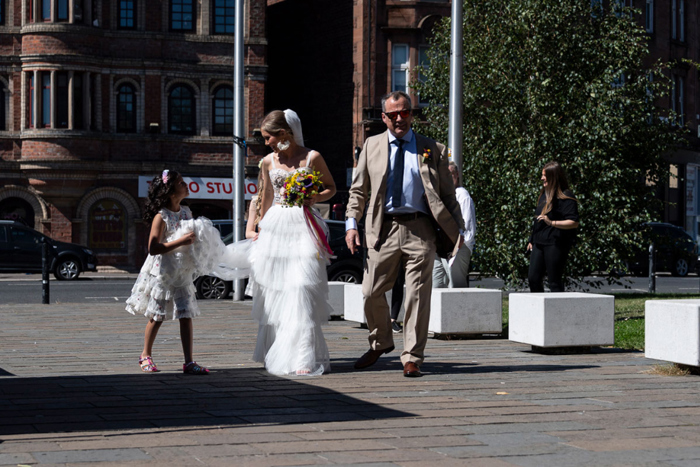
(371, 357)
(411, 370)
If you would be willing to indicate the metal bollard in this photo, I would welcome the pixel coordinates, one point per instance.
(652, 269)
(45, 263)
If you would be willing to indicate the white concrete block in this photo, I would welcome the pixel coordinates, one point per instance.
(354, 304)
(466, 311)
(672, 331)
(336, 298)
(566, 319)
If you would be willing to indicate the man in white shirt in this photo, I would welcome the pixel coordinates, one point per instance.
(453, 273)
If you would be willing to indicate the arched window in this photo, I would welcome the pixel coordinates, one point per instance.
(107, 225)
(126, 109)
(181, 111)
(223, 111)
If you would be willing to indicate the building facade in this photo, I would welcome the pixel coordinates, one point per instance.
(100, 95)
(672, 29)
(333, 61)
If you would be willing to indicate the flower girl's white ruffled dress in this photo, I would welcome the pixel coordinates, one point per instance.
(165, 284)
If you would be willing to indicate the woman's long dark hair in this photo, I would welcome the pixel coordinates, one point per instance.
(159, 194)
(557, 184)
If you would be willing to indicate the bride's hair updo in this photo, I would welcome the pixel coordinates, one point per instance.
(275, 122)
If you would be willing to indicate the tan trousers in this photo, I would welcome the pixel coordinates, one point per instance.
(413, 243)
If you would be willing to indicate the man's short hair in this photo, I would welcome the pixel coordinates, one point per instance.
(396, 95)
(452, 165)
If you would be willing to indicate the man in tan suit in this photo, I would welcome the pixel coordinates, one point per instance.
(403, 181)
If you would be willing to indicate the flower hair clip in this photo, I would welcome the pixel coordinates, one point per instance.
(164, 176)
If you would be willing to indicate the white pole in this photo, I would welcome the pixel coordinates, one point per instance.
(455, 131)
(238, 131)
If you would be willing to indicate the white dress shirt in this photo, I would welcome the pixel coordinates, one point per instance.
(466, 205)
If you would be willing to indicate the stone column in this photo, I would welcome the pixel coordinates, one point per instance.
(205, 105)
(141, 115)
(87, 105)
(112, 106)
(71, 94)
(52, 125)
(98, 101)
(36, 100)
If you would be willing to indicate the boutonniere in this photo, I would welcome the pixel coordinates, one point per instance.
(427, 155)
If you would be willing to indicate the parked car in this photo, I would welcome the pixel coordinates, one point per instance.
(676, 251)
(345, 267)
(224, 226)
(20, 251)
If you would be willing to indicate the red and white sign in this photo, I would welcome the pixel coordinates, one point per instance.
(207, 188)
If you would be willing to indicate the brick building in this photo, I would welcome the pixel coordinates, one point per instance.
(672, 28)
(333, 61)
(98, 93)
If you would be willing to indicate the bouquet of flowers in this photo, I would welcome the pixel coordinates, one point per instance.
(300, 186)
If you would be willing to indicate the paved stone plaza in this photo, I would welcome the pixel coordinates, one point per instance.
(72, 394)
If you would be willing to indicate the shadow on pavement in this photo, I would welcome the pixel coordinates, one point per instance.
(231, 397)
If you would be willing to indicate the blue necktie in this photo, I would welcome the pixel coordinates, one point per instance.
(397, 189)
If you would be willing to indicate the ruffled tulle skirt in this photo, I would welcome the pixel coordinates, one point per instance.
(290, 295)
(165, 284)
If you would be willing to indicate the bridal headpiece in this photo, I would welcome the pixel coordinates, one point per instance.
(295, 124)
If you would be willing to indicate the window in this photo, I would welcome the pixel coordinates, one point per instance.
(46, 10)
(78, 101)
(61, 100)
(61, 10)
(649, 16)
(223, 111)
(399, 67)
(45, 99)
(224, 16)
(678, 20)
(127, 14)
(677, 97)
(126, 109)
(182, 15)
(107, 225)
(596, 8)
(181, 111)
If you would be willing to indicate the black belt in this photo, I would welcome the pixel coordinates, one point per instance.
(405, 217)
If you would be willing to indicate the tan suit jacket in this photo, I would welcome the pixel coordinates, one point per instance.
(371, 179)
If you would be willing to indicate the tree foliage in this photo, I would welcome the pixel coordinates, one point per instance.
(553, 80)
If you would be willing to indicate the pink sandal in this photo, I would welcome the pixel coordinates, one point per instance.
(147, 365)
(193, 369)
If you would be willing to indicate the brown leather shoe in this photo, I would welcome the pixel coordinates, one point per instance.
(411, 370)
(371, 357)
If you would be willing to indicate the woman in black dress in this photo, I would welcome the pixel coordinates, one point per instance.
(553, 230)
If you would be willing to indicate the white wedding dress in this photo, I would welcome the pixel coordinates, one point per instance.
(290, 290)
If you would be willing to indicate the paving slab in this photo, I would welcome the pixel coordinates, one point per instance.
(71, 393)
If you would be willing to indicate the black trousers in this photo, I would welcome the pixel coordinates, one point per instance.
(550, 259)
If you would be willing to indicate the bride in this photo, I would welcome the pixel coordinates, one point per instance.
(290, 286)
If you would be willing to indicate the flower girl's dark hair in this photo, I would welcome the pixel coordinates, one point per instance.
(159, 193)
